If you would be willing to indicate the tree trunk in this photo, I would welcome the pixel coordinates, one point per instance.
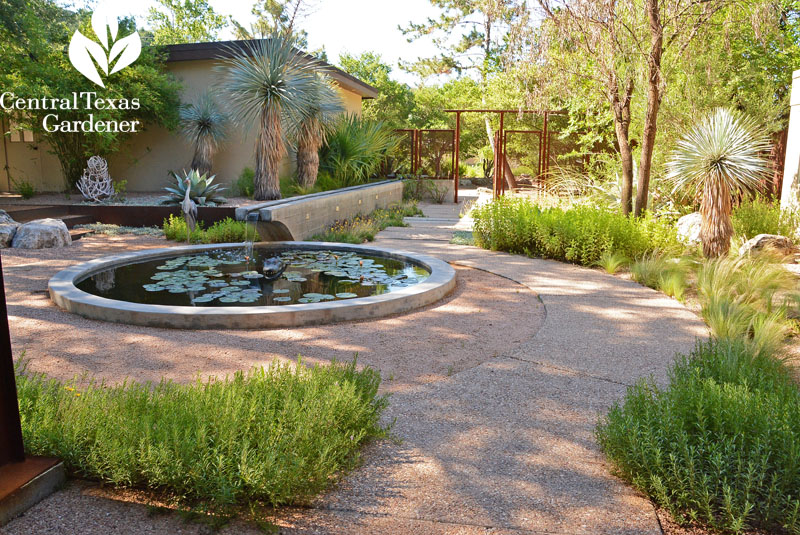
(716, 229)
(653, 104)
(201, 162)
(269, 153)
(621, 108)
(307, 162)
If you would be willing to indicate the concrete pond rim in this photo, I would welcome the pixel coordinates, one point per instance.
(65, 294)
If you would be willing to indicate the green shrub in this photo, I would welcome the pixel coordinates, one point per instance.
(362, 229)
(25, 188)
(580, 234)
(758, 215)
(356, 149)
(718, 446)
(225, 231)
(276, 435)
(245, 184)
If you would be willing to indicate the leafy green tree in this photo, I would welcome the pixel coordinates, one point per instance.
(479, 50)
(36, 66)
(184, 21)
(274, 17)
(395, 102)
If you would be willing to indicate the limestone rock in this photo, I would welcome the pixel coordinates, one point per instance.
(5, 218)
(689, 228)
(42, 234)
(7, 231)
(780, 244)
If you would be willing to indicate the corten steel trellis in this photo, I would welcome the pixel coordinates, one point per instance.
(427, 150)
(500, 176)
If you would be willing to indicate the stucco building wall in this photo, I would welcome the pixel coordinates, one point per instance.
(147, 157)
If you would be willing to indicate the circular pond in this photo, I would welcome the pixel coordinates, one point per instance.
(275, 284)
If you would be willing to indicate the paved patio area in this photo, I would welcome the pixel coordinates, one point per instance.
(495, 392)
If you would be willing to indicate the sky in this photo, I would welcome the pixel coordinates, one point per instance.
(353, 26)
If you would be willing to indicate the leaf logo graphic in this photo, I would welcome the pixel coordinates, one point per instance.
(115, 54)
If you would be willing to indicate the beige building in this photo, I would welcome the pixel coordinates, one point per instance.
(147, 157)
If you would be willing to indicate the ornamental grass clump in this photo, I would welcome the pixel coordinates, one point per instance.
(747, 298)
(362, 229)
(720, 445)
(275, 435)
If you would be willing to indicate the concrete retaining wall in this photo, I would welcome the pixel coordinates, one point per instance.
(299, 218)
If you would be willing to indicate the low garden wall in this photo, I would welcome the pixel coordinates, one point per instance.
(299, 218)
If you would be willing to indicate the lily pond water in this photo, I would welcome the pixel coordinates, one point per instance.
(242, 278)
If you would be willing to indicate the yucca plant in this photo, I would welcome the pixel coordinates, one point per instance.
(203, 124)
(266, 84)
(356, 149)
(311, 131)
(202, 191)
(720, 156)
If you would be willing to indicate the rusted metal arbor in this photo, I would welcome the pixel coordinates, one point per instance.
(500, 171)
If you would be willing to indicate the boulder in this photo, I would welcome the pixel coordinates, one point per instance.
(774, 242)
(7, 232)
(42, 234)
(5, 218)
(689, 228)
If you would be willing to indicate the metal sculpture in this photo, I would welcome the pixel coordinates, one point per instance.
(96, 184)
(189, 209)
(273, 268)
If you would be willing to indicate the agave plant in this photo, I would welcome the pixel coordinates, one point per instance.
(311, 131)
(267, 84)
(201, 189)
(356, 149)
(723, 154)
(203, 124)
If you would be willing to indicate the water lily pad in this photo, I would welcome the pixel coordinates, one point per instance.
(228, 300)
(281, 291)
(346, 295)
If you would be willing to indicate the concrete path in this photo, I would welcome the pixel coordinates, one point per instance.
(505, 446)
(508, 446)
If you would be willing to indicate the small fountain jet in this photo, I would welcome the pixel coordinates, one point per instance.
(189, 211)
(273, 268)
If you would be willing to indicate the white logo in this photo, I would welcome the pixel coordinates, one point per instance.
(124, 50)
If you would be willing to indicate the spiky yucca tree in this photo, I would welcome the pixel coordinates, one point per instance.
(266, 83)
(722, 154)
(204, 125)
(311, 131)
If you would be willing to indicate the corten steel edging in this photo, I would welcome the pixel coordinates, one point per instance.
(66, 295)
(148, 215)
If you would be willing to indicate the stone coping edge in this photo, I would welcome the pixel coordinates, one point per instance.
(65, 294)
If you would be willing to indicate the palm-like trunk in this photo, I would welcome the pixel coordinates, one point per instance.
(203, 153)
(308, 158)
(717, 228)
(269, 153)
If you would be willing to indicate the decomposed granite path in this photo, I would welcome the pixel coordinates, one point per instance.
(504, 446)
